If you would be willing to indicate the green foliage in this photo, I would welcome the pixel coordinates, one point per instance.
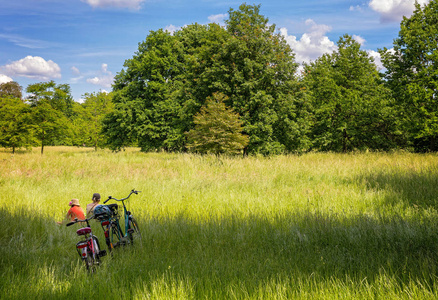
(166, 83)
(352, 108)
(145, 110)
(57, 95)
(261, 82)
(412, 75)
(217, 129)
(88, 120)
(52, 105)
(50, 125)
(15, 125)
(10, 89)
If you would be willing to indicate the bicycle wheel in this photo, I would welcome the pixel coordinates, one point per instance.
(108, 240)
(115, 235)
(89, 261)
(134, 230)
(99, 253)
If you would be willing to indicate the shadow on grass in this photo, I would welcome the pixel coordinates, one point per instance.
(416, 189)
(214, 255)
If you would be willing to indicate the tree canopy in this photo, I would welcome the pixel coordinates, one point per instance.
(51, 106)
(15, 124)
(11, 89)
(181, 90)
(88, 119)
(412, 75)
(166, 83)
(351, 107)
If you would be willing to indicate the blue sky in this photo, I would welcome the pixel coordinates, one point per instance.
(84, 43)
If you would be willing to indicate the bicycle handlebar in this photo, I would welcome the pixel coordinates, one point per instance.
(112, 198)
(77, 220)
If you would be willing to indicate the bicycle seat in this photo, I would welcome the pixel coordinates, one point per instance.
(83, 231)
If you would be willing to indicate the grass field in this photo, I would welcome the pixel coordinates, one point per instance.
(316, 226)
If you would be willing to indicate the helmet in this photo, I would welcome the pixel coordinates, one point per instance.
(102, 212)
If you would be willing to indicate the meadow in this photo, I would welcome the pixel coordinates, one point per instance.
(314, 226)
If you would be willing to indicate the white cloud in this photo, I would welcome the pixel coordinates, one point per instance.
(218, 19)
(356, 8)
(359, 39)
(131, 4)
(104, 68)
(28, 42)
(33, 67)
(377, 58)
(394, 10)
(4, 78)
(75, 70)
(171, 28)
(105, 79)
(312, 44)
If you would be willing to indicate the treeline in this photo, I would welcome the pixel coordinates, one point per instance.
(49, 116)
(238, 88)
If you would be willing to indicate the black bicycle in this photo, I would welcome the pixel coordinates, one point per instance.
(88, 249)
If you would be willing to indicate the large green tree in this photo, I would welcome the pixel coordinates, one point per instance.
(144, 111)
(15, 123)
(412, 75)
(259, 70)
(167, 81)
(51, 106)
(352, 108)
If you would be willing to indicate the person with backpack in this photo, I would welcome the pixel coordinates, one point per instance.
(92, 205)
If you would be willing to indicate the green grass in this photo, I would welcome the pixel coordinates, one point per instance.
(316, 226)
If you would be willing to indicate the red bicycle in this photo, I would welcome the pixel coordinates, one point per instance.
(88, 249)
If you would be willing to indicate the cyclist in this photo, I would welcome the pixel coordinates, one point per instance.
(92, 205)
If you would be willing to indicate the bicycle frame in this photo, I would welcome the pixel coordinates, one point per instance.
(88, 249)
(107, 224)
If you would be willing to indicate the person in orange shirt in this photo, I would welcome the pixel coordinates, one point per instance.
(74, 212)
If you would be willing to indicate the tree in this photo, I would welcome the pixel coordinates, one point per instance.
(10, 89)
(15, 125)
(57, 95)
(145, 112)
(88, 121)
(259, 76)
(352, 108)
(217, 129)
(51, 105)
(412, 75)
(169, 78)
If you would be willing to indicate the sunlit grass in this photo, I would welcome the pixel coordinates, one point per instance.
(313, 226)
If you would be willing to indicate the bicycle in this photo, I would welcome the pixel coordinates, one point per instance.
(109, 220)
(132, 230)
(88, 249)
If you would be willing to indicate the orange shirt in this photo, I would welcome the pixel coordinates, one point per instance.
(75, 212)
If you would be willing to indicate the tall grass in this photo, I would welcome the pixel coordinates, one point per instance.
(325, 226)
